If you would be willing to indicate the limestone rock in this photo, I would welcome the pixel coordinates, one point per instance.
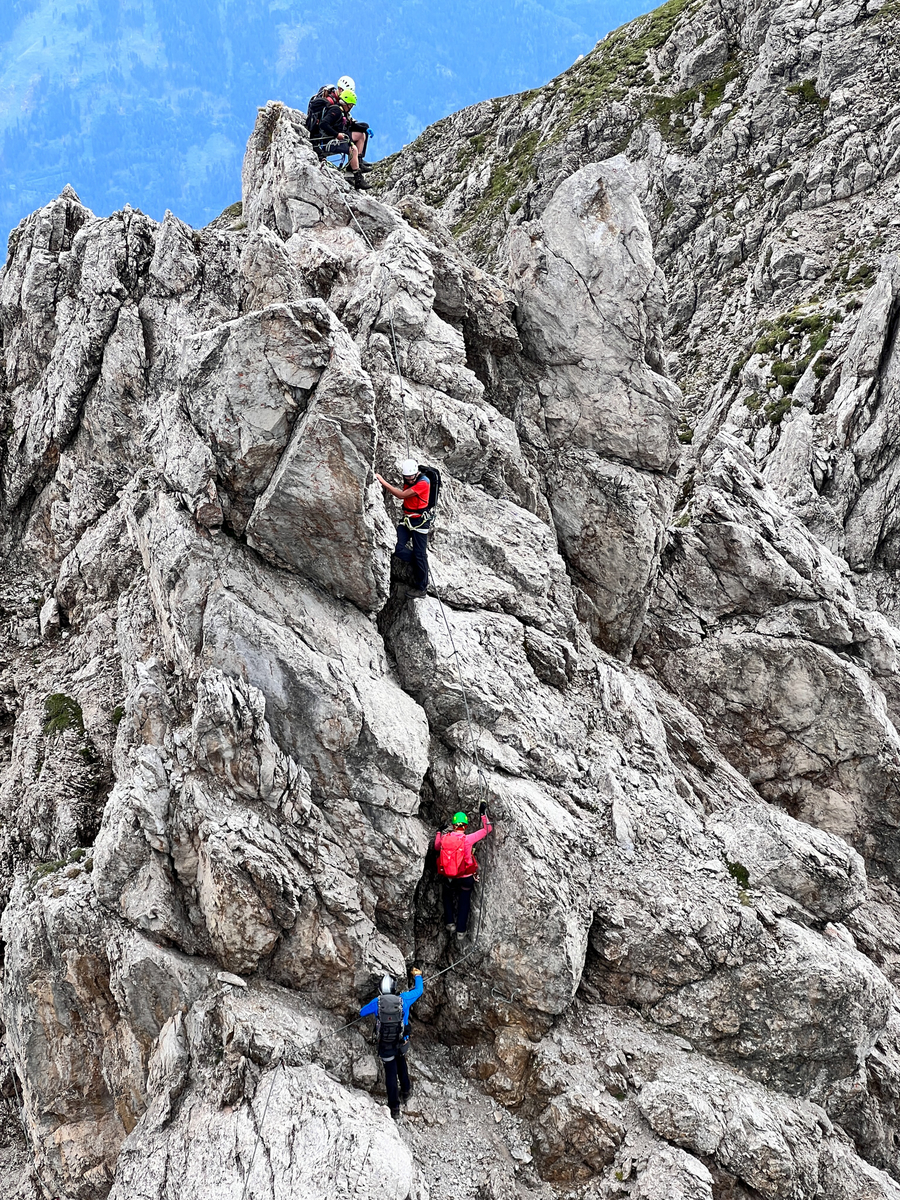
(661, 646)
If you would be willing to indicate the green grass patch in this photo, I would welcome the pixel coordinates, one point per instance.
(505, 178)
(619, 62)
(61, 712)
(738, 873)
(671, 112)
(806, 93)
(776, 410)
(49, 868)
(233, 210)
(888, 11)
(793, 339)
(713, 90)
(46, 869)
(863, 276)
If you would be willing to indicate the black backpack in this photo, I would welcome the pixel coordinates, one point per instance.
(433, 475)
(389, 1025)
(314, 111)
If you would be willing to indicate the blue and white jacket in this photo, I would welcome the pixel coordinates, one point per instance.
(408, 998)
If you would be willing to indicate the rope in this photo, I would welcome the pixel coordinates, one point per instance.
(400, 374)
(259, 1127)
(465, 695)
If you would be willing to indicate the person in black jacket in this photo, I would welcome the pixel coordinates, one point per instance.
(340, 131)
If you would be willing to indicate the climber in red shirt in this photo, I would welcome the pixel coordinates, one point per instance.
(412, 532)
(458, 868)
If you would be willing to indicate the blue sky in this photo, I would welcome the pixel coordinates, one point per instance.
(151, 102)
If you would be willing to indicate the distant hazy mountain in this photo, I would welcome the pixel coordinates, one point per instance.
(150, 101)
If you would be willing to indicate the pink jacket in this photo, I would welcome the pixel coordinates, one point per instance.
(471, 839)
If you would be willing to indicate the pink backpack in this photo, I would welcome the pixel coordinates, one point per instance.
(454, 859)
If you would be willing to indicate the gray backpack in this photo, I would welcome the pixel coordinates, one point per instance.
(389, 1025)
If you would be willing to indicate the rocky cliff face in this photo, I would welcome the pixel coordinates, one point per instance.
(229, 730)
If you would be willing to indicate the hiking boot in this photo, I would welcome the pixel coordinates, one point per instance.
(460, 938)
(451, 926)
(360, 182)
(404, 1096)
(395, 1113)
(364, 166)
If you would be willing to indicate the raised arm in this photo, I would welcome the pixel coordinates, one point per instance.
(486, 828)
(411, 996)
(400, 493)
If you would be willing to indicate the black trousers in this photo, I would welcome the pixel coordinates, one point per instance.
(457, 897)
(412, 547)
(396, 1070)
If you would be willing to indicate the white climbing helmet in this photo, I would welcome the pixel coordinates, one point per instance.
(408, 466)
(346, 84)
(387, 984)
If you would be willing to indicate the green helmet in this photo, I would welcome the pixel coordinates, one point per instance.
(349, 97)
(460, 818)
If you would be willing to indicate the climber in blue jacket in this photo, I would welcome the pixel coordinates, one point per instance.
(391, 1012)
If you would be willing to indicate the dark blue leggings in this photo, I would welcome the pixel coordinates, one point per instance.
(457, 896)
(412, 547)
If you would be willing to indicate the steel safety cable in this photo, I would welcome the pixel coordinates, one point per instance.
(476, 754)
(454, 652)
(20, 1106)
(324, 1037)
(394, 350)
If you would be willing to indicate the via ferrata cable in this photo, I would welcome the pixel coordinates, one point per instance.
(319, 1037)
(482, 792)
(395, 352)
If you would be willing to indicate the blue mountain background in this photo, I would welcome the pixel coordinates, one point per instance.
(150, 102)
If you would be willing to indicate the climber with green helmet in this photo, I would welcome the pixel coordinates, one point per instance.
(458, 868)
(339, 132)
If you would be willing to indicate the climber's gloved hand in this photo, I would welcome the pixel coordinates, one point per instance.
(482, 808)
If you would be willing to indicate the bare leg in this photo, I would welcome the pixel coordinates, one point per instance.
(360, 142)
